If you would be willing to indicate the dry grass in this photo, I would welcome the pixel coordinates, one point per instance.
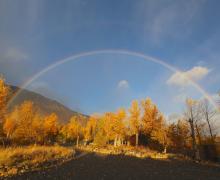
(139, 152)
(14, 160)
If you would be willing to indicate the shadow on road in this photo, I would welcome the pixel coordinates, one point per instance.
(96, 166)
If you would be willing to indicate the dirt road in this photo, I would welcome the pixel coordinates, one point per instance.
(94, 166)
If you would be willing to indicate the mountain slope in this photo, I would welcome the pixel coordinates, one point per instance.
(44, 104)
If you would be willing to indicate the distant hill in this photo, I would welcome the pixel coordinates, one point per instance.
(44, 104)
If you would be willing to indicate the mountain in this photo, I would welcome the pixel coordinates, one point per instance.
(45, 105)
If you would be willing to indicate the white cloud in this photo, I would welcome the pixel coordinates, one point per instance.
(123, 84)
(15, 54)
(183, 78)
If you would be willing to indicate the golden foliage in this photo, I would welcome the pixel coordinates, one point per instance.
(90, 128)
(179, 134)
(135, 117)
(4, 93)
(51, 126)
(24, 125)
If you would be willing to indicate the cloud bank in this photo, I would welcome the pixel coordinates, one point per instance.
(183, 78)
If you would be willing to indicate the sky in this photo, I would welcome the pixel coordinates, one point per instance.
(184, 34)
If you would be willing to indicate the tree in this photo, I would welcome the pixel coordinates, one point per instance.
(191, 115)
(208, 114)
(4, 95)
(10, 123)
(24, 125)
(51, 127)
(135, 119)
(152, 118)
(109, 125)
(120, 125)
(149, 111)
(153, 123)
(90, 128)
(37, 127)
(159, 132)
(23, 116)
(179, 134)
(74, 129)
(101, 134)
(63, 134)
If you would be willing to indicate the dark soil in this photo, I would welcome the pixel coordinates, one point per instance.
(95, 166)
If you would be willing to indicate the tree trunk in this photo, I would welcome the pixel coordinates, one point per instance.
(165, 149)
(136, 139)
(115, 142)
(198, 134)
(193, 138)
(119, 141)
(210, 129)
(77, 141)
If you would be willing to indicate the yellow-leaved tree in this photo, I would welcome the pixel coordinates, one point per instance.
(153, 123)
(51, 127)
(119, 126)
(135, 119)
(74, 130)
(23, 118)
(109, 118)
(149, 111)
(11, 123)
(90, 128)
(4, 95)
(179, 135)
(160, 132)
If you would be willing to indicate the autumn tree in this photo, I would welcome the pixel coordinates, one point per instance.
(24, 125)
(90, 128)
(74, 129)
(152, 118)
(153, 123)
(23, 118)
(119, 126)
(11, 122)
(149, 111)
(51, 127)
(114, 126)
(63, 134)
(38, 131)
(159, 132)
(4, 95)
(101, 136)
(191, 115)
(179, 134)
(135, 119)
(109, 125)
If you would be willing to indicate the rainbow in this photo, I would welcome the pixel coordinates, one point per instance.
(113, 51)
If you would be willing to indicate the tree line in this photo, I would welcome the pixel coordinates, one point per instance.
(141, 124)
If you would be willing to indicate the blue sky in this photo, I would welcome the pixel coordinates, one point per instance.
(184, 34)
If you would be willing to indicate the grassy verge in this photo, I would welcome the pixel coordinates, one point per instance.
(140, 152)
(15, 160)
